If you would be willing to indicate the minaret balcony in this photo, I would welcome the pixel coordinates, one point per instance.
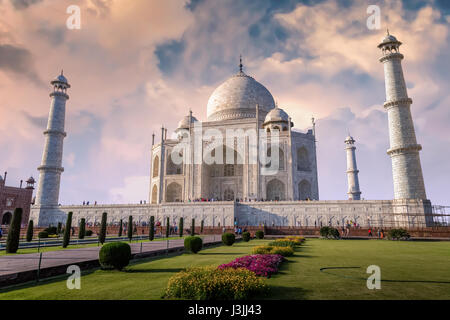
(396, 103)
(413, 148)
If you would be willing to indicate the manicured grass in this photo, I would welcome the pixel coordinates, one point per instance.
(74, 246)
(299, 278)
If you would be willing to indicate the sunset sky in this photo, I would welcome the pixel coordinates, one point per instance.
(138, 64)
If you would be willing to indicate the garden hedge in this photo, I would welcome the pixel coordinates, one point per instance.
(246, 236)
(259, 234)
(115, 255)
(193, 244)
(228, 239)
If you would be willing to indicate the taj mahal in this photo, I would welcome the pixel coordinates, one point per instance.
(248, 165)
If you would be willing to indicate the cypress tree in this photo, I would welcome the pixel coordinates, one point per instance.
(202, 224)
(181, 227)
(167, 227)
(151, 232)
(82, 229)
(66, 238)
(12, 242)
(58, 230)
(102, 234)
(130, 227)
(193, 227)
(120, 228)
(30, 231)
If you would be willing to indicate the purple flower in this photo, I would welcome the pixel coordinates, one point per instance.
(261, 264)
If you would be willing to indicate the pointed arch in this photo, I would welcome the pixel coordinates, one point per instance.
(280, 158)
(303, 160)
(155, 167)
(304, 190)
(173, 192)
(154, 194)
(275, 190)
(228, 194)
(6, 219)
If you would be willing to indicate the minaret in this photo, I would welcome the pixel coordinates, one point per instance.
(51, 167)
(352, 170)
(404, 150)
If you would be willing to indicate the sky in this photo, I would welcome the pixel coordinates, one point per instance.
(137, 65)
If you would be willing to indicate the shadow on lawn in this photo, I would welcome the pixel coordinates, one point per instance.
(284, 293)
(168, 270)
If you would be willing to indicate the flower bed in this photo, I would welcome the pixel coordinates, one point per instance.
(260, 264)
(212, 283)
(284, 251)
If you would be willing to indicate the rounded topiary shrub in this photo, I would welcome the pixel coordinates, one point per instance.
(89, 233)
(51, 230)
(398, 234)
(228, 239)
(246, 236)
(259, 234)
(114, 255)
(193, 244)
(43, 234)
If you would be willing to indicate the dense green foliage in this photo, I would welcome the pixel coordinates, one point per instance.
(130, 228)
(51, 230)
(12, 242)
(30, 231)
(259, 234)
(43, 235)
(284, 251)
(120, 228)
(67, 228)
(283, 243)
(151, 230)
(88, 233)
(102, 234)
(210, 283)
(82, 229)
(246, 236)
(115, 255)
(329, 232)
(59, 229)
(228, 238)
(398, 234)
(193, 227)
(193, 244)
(202, 225)
(181, 226)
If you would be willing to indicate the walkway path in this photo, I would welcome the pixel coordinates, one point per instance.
(11, 265)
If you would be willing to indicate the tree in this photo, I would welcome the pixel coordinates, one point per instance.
(181, 227)
(167, 227)
(202, 224)
(130, 227)
(102, 234)
(58, 230)
(193, 227)
(67, 228)
(151, 232)
(120, 228)
(30, 231)
(82, 229)
(12, 242)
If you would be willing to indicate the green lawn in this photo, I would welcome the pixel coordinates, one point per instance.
(299, 278)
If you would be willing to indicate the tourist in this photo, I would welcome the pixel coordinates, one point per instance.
(370, 232)
(1, 232)
(378, 233)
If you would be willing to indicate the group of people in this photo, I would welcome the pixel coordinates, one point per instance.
(380, 233)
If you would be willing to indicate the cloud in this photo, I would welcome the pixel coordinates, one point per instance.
(18, 61)
(23, 4)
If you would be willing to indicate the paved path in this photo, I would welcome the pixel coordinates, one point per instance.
(13, 264)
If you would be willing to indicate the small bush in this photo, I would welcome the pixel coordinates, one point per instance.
(43, 235)
(297, 239)
(228, 239)
(51, 230)
(329, 232)
(398, 234)
(210, 283)
(259, 234)
(89, 233)
(284, 251)
(115, 255)
(193, 244)
(246, 236)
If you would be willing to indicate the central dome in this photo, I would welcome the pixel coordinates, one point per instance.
(237, 98)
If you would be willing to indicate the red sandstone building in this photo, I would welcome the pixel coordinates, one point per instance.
(13, 197)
